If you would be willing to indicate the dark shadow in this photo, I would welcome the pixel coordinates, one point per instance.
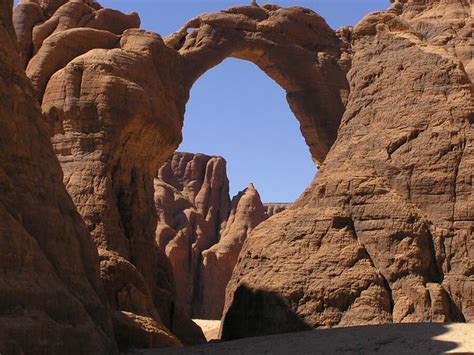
(257, 313)
(384, 339)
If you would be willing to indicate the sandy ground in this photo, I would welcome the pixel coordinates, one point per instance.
(416, 339)
(210, 328)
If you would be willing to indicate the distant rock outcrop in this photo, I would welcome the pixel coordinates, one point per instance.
(247, 212)
(274, 208)
(200, 230)
(192, 202)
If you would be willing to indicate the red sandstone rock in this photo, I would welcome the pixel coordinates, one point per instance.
(106, 157)
(133, 331)
(199, 231)
(385, 231)
(274, 208)
(247, 211)
(192, 201)
(82, 28)
(52, 300)
(383, 234)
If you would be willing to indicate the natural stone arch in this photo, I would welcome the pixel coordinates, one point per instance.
(115, 114)
(293, 46)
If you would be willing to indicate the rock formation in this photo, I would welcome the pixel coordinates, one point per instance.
(385, 231)
(51, 296)
(383, 234)
(274, 208)
(200, 230)
(218, 262)
(100, 106)
(114, 103)
(192, 202)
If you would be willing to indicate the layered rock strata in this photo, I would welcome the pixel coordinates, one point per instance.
(383, 234)
(51, 296)
(201, 230)
(85, 71)
(192, 203)
(113, 98)
(385, 231)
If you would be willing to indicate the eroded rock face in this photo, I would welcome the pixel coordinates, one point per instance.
(385, 231)
(192, 201)
(52, 300)
(100, 106)
(201, 230)
(114, 101)
(247, 212)
(274, 208)
(383, 234)
(276, 38)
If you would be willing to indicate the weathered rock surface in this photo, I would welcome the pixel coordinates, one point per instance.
(274, 208)
(51, 297)
(115, 112)
(200, 230)
(90, 78)
(385, 231)
(192, 202)
(275, 38)
(383, 234)
(442, 23)
(247, 211)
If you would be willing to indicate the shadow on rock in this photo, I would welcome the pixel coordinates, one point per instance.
(257, 313)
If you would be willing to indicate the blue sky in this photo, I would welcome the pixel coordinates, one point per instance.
(236, 111)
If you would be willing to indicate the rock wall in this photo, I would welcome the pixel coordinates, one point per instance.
(385, 231)
(201, 230)
(113, 98)
(274, 208)
(383, 234)
(51, 297)
(99, 104)
(192, 202)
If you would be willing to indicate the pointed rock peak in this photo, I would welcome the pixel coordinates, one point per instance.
(251, 187)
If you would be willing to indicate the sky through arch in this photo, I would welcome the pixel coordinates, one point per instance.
(236, 110)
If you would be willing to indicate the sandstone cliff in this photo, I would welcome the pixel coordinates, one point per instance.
(89, 77)
(114, 104)
(385, 231)
(201, 230)
(192, 201)
(114, 97)
(383, 234)
(51, 296)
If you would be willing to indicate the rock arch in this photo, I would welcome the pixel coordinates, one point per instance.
(293, 46)
(114, 106)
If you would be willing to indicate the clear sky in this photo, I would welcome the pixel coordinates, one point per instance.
(235, 110)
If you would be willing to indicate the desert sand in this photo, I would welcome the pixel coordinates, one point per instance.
(387, 339)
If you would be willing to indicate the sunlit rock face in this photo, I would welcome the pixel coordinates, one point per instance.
(383, 234)
(385, 231)
(113, 98)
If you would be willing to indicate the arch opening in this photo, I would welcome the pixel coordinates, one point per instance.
(261, 143)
